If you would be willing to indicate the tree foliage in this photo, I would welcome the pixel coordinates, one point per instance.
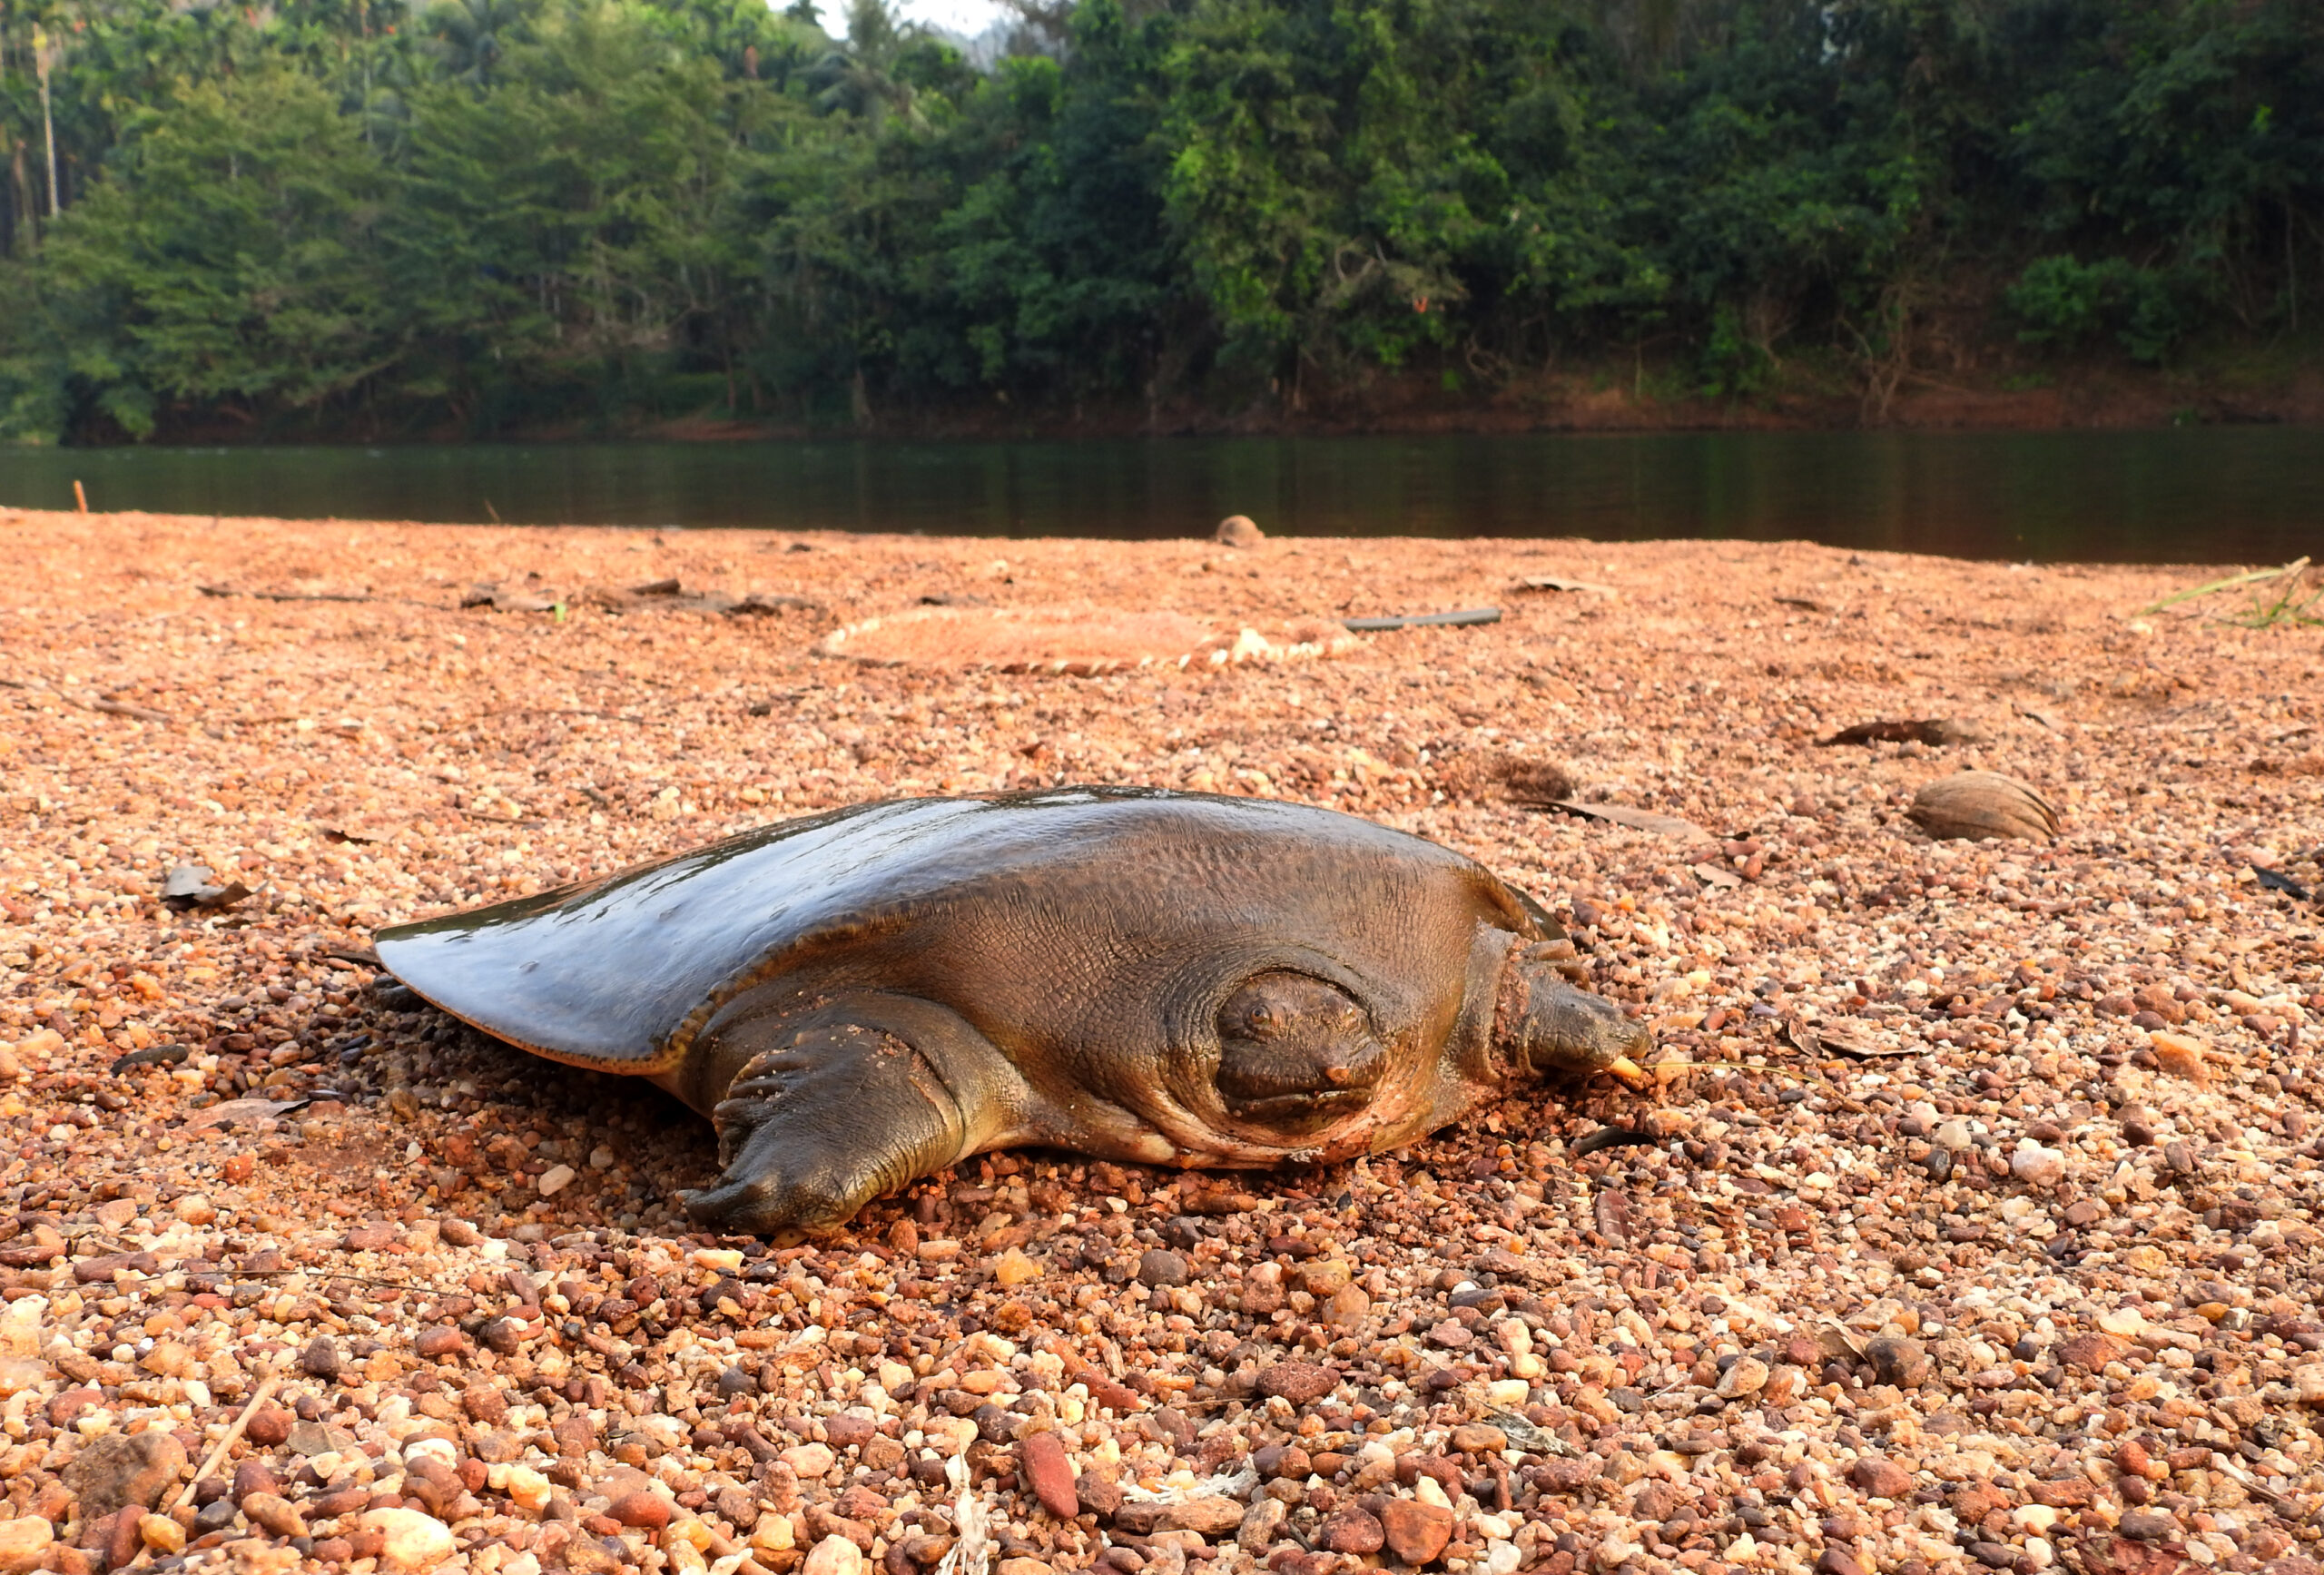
(343, 216)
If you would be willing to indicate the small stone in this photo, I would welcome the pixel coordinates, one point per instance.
(1239, 530)
(812, 1462)
(2149, 1525)
(1477, 1438)
(1746, 1375)
(275, 1513)
(1209, 1516)
(120, 1469)
(1297, 1382)
(409, 1540)
(1021, 1565)
(256, 1556)
(1162, 1267)
(1953, 1135)
(23, 1544)
(1261, 1524)
(2036, 1166)
(1351, 1530)
(1880, 1478)
(2063, 1493)
(321, 1358)
(458, 1233)
(1014, 1268)
(169, 1359)
(1347, 1308)
(270, 1426)
(834, 1555)
(2082, 1213)
(2091, 1351)
(1041, 1458)
(484, 1402)
(527, 1489)
(1324, 1277)
(555, 1179)
(441, 1340)
(194, 1209)
(1416, 1533)
(1096, 1494)
(251, 1476)
(648, 1511)
(2181, 1054)
(161, 1534)
(1899, 1361)
(1836, 1561)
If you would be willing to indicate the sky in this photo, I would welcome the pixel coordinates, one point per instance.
(968, 16)
(965, 16)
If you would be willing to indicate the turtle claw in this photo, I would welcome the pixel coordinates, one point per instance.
(841, 1109)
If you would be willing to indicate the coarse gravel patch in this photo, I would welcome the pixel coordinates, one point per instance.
(1969, 1223)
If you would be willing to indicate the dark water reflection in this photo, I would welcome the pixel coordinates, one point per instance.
(2219, 495)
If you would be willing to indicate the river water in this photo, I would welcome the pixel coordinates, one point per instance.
(2199, 495)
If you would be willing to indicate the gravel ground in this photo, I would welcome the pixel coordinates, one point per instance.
(2030, 1283)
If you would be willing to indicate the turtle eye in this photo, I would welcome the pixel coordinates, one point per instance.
(1261, 1022)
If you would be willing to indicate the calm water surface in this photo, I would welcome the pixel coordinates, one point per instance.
(2219, 495)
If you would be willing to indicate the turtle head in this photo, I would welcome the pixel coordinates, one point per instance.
(1547, 1027)
(1295, 1053)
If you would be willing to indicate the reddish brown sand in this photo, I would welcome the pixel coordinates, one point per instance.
(2035, 1284)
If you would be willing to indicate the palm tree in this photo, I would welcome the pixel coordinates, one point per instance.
(859, 76)
(468, 36)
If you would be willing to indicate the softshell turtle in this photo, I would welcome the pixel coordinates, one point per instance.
(862, 997)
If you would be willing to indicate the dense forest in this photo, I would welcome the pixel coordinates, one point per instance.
(456, 218)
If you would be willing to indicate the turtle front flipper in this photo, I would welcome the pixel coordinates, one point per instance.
(833, 1107)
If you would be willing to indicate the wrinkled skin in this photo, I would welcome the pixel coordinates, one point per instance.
(863, 997)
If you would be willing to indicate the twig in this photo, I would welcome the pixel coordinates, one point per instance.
(286, 596)
(264, 1393)
(2252, 578)
(108, 707)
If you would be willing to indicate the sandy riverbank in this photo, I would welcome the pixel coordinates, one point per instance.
(1824, 1324)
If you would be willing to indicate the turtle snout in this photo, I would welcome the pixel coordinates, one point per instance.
(1295, 1052)
(1573, 1031)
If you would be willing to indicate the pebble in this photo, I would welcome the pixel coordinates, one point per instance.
(834, 1555)
(1347, 1308)
(275, 1513)
(321, 1358)
(1162, 1267)
(1416, 1533)
(1881, 1478)
(120, 1469)
(2036, 1166)
(1351, 1530)
(24, 1544)
(1049, 1474)
(648, 1511)
(408, 1538)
